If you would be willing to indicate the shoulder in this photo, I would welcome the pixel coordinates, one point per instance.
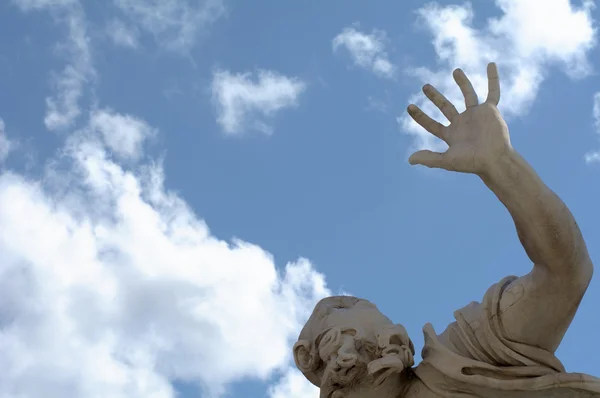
(467, 336)
(512, 293)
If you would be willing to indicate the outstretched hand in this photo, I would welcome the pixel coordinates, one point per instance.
(476, 138)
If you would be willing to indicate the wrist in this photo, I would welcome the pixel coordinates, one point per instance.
(501, 166)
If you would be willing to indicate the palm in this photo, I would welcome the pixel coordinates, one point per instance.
(476, 138)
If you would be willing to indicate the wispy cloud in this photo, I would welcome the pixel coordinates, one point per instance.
(5, 144)
(293, 384)
(593, 157)
(122, 134)
(173, 24)
(63, 107)
(366, 50)
(244, 103)
(524, 41)
(122, 34)
(136, 291)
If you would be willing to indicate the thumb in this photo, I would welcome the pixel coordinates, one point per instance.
(429, 159)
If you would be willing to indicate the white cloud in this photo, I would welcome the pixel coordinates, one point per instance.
(376, 104)
(122, 34)
(174, 24)
(111, 286)
(5, 144)
(294, 385)
(123, 134)
(592, 157)
(63, 107)
(524, 41)
(28, 5)
(366, 50)
(243, 104)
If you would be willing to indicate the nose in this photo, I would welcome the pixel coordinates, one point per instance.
(347, 354)
(346, 360)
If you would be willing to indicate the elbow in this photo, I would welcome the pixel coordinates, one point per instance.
(577, 271)
(585, 274)
(571, 260)
(583, 266)
(588, 269)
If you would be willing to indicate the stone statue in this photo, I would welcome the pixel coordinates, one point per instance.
(501, 347)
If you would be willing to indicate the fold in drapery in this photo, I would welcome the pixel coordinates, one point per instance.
(477, 360)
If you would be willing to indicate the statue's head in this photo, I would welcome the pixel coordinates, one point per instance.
(348, 345)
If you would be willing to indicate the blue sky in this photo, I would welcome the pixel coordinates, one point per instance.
(182, 180)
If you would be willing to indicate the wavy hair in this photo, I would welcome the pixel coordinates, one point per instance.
(393, 351)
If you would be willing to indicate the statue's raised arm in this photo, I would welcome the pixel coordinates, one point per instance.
(501, 347)
(537, 308)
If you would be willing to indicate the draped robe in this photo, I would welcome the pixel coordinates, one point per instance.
(474, 358)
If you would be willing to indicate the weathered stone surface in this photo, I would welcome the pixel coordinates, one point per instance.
(501, 347)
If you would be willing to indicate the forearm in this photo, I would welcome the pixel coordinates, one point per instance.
(545, 226)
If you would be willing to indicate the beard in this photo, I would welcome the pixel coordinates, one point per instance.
(339, 382)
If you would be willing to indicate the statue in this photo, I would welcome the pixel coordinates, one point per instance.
(501, 347)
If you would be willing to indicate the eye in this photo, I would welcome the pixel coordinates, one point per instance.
(369, 348)
(330, 337)
(329, 343)
(349, 331)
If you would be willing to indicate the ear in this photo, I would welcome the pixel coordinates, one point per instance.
(307, 360)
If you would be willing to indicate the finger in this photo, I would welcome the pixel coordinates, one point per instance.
(429, 159)
(465, 87)
(440, 101)
(425, 121)
(493, 84)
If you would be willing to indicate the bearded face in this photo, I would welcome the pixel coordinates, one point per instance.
(347, 346)
(346, 357)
